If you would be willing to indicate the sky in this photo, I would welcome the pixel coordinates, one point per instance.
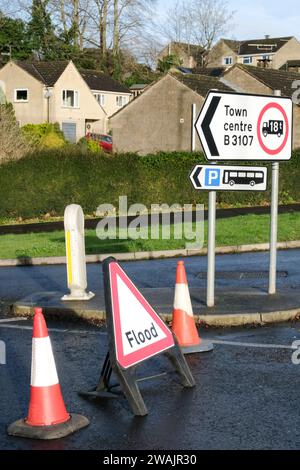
(255, 18)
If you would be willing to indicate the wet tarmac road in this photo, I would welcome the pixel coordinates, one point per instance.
(20, 282)
(246, 394)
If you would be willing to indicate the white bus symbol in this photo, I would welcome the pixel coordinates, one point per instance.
(243, 177)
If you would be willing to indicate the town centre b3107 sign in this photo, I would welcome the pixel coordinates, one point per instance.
(236, 126)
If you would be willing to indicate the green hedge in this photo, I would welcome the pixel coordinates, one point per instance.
(48, 181)
(46, 135)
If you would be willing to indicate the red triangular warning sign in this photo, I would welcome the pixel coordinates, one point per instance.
(139, 332)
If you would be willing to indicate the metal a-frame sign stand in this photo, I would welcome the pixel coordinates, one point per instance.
(127, 377)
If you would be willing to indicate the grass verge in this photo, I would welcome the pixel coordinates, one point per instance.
(232, 231)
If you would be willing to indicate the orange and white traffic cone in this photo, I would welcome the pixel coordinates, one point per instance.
(183, 324)
(47, 415)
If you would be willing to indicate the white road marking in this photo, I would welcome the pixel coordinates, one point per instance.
(53, 330)
(10, 320)
(252, 345)
(102, 333)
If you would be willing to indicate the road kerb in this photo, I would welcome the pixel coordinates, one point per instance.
(146, 255)
(213, 320)
(289, 315)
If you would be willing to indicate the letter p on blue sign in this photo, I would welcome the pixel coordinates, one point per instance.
(212, 177)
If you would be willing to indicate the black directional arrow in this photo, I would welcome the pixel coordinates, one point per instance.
(206, 126)
(195, 177)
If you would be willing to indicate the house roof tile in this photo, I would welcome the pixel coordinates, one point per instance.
(290, 63)
(138, 86)
(102, 82)
(193, 50)
(201, 84)
(46, 72)
(257, 46)
(262, 46)
(233, 45)
(49, 72)
(274, 79)
(209, 71)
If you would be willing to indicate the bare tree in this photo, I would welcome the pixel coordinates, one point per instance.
(75, 21)
(63, 16)
(210, 20)
(177, 24)
(16, 8)
(104, 24)
(137, 26)
(199, 22)
(103, 14)
(71, 17)
(116, 29)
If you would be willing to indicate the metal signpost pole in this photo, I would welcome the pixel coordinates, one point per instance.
(223, 178)
(211, 244)
(274, 223)
(263, 133)
(194, 117)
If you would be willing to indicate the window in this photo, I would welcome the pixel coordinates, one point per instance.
(247, 60)
(100, 98)
(70, 98)
(121, 101)
(21, 95)
(227, 60)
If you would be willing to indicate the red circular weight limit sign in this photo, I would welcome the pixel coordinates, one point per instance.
(263, 146)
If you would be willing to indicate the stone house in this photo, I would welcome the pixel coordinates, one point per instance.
(266, 52)
(160, 119)
(257, 80)
(80, 101)
(190, 55)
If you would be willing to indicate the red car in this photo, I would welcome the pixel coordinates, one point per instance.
(104, 140)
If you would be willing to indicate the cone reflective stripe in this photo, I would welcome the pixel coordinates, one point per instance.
(183, 318)
(42, 376)
(47, 415)
(183, 324)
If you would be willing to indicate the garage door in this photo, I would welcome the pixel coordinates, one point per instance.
(69, 130)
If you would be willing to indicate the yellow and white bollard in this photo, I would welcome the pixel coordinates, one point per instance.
(75, 251)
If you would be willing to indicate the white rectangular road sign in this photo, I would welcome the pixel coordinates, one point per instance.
(237, 126)
(229, 178)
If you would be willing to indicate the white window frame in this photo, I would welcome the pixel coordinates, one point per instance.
(76, 99)
(247, 60)
(123, 100)
(100, 97)
(15, 95)
(229, 59)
